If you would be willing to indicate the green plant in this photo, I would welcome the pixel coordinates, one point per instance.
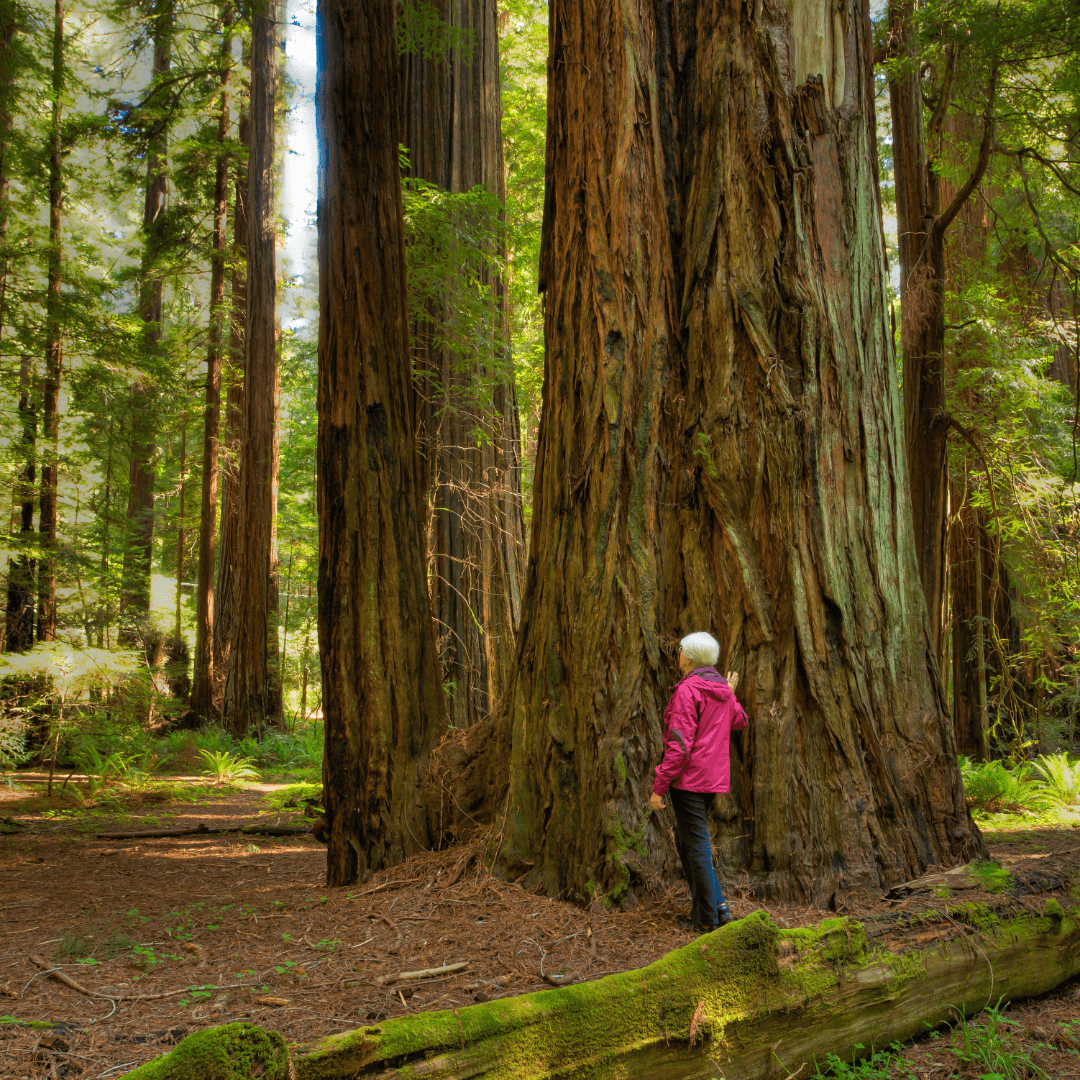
(1060, 779)
(991, 786)
(990, 1050)
(226, 769)
(880, 1065)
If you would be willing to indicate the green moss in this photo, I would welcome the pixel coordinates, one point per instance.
(231, 1052)
(719, 977)
(993, 878)
(813, 959)
(620, 768)
(1053, 909)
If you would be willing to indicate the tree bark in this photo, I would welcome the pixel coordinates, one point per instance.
(452, 129)
(142, 474)
(747, 1002)
(202, 697)
(382, 696)
(54, 349)
(720, 449)
(229, 553)
(921, 227)
(21, 573)
(253, 689)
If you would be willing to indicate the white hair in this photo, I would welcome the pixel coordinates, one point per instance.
(702, 648)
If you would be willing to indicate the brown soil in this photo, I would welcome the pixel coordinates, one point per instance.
(249, 918)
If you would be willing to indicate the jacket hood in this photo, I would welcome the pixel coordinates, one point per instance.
(711, 683)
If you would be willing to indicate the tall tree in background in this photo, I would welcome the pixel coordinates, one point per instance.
(922, 223)
(228, 551)
(19, 623)
(138, 552)
(203, 689)
(468, 423)
(54, 349)
(253, 689)
(382, 696)
(720, 448)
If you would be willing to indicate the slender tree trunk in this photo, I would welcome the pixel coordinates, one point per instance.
(225, 594)
(720, 449)
(382, 696)
(20, 592)
(139, 551)
(921, 227)
(452, 128)
(54, 351)
(253, 690)
(203, 691)
(180, 537)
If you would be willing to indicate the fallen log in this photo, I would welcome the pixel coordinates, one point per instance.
(203, 829)
(749, 1002)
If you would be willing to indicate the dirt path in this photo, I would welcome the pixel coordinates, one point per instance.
(226, 927)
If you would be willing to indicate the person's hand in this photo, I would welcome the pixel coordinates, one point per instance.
(733, 679)
(656, 801)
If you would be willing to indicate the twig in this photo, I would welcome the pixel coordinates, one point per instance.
(393, 926)
(425, 973)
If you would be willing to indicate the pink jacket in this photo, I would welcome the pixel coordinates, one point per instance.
(697, 734)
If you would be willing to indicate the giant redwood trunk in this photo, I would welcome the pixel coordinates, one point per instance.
(142, 471)
(19, 627)
(203, 690)
(468, 424)
(721, 448)
(253, 689)
(382, 697)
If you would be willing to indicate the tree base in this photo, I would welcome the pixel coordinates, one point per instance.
(748, 1001)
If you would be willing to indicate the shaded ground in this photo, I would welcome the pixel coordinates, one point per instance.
(225, 927)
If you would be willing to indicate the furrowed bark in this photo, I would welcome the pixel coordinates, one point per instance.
(382, 696)
(253, 688)
(202, 696)
(721, 449)
(471, 453)
(749, 1002)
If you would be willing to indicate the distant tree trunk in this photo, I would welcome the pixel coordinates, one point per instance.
(382, 696)
(253, 689)
(228, 554)
(20, 592)
(54, 350)
(921, 229)
(139, 550)
(452, 129)
(202, 697)
(720, 449)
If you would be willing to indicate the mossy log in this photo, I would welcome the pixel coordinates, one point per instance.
(748, 1001)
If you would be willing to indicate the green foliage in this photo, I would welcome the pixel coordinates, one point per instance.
(993, 786)
(991, 1051)
(227, 768)
(879, 1065)
(1060, 780)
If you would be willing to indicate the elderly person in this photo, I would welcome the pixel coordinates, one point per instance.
(696, 766)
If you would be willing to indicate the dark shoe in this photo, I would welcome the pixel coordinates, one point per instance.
(724, 912)
(683, 923)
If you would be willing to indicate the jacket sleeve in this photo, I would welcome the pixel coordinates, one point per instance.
(678, 739)
(739, 720)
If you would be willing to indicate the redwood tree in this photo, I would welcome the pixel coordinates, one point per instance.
(142, 473)
(720, 448)
(54, 349)
(468, 424)
(203, 689)
(253, 689)
(382, 698)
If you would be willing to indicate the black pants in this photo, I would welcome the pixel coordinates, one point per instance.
(694, 845)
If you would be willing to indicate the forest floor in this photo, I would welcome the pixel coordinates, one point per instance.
(249, 931)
